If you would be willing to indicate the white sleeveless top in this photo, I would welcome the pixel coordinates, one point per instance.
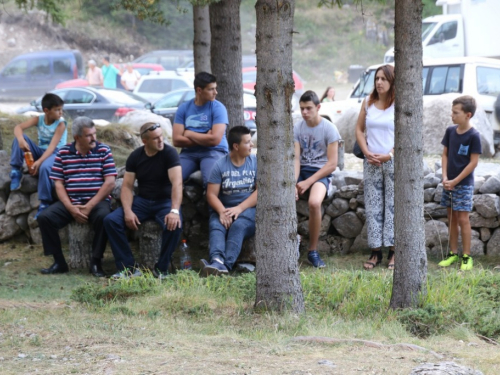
(380, 129)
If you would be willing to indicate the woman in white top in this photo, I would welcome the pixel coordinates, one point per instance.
(130, 78)
(375, 136)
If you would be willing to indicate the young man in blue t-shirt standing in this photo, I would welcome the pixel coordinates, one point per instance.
(199, 128)
(462, 147)
(232, 195)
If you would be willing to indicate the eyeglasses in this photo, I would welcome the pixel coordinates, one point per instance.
(151, 128)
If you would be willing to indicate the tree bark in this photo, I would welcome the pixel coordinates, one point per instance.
(201, 41)
(150, 235)
(278, 279)
(225, 52)
(80, 237)
(410, 272)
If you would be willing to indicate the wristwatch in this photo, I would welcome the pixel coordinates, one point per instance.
(174, 211)
(391, 155)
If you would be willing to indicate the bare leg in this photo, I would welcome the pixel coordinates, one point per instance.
(464, 223)
(453, 229)
(316, 196)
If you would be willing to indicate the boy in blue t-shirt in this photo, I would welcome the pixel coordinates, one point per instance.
(52, 134)
(199, 128)
(232, 195)
(462, 147)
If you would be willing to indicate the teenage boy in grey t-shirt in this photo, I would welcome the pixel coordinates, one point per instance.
(316, 146)
(232, 195)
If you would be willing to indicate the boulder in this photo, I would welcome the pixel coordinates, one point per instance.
(353, 204)
(36, 236)
(29, 184)
(434, 211)
(4, 177)
(436, 237)
(338, 207)
(196, 178)
(361, 214)
(339, 244)
(476, 245)
(487, 205)
(438, 193)
(427, 169)
(487, 169)
(22, 221)
(139, 117)
(493, 246)
(302, 207)
(431, 181)
(17, 204)
(8, 227)
(485, 234)
(2, 201)
(477, 221)
(478, 182)
(303, 228)
(429, 194)
(193, 192)
(348, 225)
(437, 118)
(491, 186)
(347, 192)
(325, 226)
(361, 241)
(34, 201)
(443, 368)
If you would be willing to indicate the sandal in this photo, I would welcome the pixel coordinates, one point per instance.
(390, 257)
(370, 264)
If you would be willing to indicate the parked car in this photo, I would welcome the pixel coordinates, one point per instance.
(250, 79)
(97, 103)
(156, 84)
(167, 106)
(187, 69)
(169, 59)
(140, 67)
(38, 72)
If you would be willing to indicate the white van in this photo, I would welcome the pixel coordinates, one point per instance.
(155, 85)
(475, 76)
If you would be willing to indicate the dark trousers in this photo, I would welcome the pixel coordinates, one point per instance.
(144, 209)
(56, 217)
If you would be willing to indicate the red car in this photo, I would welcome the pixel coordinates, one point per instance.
(142, 68)
(250, 77)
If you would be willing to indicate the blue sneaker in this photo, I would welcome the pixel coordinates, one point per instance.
(43, 206)
(315, 260)
(15, 179)
(215, 268)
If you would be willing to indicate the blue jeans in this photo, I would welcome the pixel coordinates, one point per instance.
(144, 209)
(44, 182)
(226, 243)
(199, 160)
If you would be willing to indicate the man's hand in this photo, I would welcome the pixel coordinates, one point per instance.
(449, 184)
(23, 145)
(302, 186)
(86, 209)
(172, 221)
(34, 168)
(225, 220)
(233, 212)
(78, 215)
(131, 221)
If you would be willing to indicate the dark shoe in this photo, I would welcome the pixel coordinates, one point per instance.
(55, 268)
(314, 258)
(96, 270)
(374, 261)
(215, 268)
(390, 258)
(160, 275)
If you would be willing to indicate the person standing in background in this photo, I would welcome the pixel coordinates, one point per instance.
(94, 74)
(109, 73)
(130, 77)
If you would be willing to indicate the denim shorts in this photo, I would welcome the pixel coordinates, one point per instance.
(461, 198)
(307, 171)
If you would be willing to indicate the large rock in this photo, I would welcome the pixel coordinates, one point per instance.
(2, 201)
(436, 237)
(487, 205)
(434, 211)
(437, 119)
(361, 241)
(34, 201)
(431, 181)
(29, 184)
(348, 225)
(429, 194)
(338, 207)
(4, 177)
(138, 118)
(444, 368)
(347, 192)
(491, 186)
(325, 226)
(477, 221)
(493, 246)
(8, 227)
(17, 204)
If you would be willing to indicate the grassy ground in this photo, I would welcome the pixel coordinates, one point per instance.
(74, 323)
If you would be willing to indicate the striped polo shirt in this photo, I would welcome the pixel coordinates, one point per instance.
(83, 175)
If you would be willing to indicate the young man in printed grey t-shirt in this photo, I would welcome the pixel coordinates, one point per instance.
(316, 146)
(232, 195)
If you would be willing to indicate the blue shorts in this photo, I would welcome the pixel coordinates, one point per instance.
(307, 171)
(461, 198)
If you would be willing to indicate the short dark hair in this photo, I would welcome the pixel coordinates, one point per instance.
(309, 96)
(202, 79)
(235, 134)
(107, 58)
(50, 101)
(468, 104)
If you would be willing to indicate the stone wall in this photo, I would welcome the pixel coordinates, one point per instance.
(343, 227)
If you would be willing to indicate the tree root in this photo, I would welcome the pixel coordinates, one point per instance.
(372, 344)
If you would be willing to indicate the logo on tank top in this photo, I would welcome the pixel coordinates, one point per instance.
(463, 150)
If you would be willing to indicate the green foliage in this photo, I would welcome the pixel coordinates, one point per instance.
(53, 8)
(430, 8)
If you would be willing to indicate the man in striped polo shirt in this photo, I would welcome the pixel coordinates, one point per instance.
(84, 173)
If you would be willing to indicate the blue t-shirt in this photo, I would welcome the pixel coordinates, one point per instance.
(236, 183)
(460, 147)
(200, 119)
(109, 74)
(46, 132)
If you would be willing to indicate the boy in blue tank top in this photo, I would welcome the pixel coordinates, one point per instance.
(462, 147)
(52, 134)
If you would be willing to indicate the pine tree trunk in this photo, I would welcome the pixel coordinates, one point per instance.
(225, 52)
(201, 41)
(410, 272)
(278, 279)
(80, 237)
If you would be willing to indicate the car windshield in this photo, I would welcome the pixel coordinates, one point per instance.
(427, 27)
(365, 86)
(121, 96)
